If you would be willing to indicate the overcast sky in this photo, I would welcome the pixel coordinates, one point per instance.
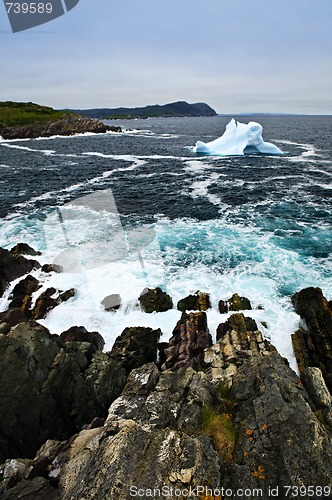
(236, 55)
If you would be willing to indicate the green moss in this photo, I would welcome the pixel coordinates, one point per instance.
(17, 114)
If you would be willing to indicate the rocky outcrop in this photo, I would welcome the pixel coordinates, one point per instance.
(21, 296)
(51, 386)
(69, 125)
(229, 416)
(80, 334)
(24, 249)
(135, 347)
(235, 303)
(200, 301)
(239, 323)
(50, 299)
(51, 268)
(179, 431)
(237, 340)
(189, 339)
(12, 267)
(155, 300)
(313, 344)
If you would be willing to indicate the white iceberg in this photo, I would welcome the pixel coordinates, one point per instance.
(238, 139)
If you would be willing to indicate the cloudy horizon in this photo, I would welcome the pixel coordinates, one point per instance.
(237, 57)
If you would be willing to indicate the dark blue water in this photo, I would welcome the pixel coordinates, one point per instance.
(259, 225)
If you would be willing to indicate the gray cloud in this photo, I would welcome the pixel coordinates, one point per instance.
(239, 56)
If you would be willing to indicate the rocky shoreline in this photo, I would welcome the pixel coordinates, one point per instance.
(69, 125)
(77, 422)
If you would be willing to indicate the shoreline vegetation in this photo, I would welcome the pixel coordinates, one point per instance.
(78, 422)
(30, 121)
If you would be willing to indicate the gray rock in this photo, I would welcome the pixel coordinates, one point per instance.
(111, 302)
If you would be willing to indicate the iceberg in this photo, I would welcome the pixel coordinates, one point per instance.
(238, 139)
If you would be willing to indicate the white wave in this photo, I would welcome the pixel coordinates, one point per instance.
(47, 152)
(324, 186)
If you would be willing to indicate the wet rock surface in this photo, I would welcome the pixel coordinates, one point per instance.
(155, 300)
(200, 301)
(235, 303)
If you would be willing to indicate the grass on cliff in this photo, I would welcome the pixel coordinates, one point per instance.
(17, 114)
(220, 427)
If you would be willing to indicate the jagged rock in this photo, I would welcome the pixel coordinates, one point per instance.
(12, 267)
(235, 303)
(237, 322)
(22, 294)
(50, 389)
(313, 347)
(50, 299)
(155, 300)
(111, 302)
(24, 249)
(200, 301)
(50, 268)
(189, 339)
(136, 346)
(155, 436)
(80, 334)
(237, 339)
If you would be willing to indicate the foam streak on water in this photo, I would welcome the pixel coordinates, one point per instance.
(259, 226)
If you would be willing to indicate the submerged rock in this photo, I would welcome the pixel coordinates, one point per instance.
(200, 301)
(313, 345)
(155, 300)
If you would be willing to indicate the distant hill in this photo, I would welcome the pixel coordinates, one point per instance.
(174, 109)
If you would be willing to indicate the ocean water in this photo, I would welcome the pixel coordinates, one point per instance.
(257, 225)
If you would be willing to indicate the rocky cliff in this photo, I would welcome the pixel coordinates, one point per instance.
(198, 421)
(68, 125)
